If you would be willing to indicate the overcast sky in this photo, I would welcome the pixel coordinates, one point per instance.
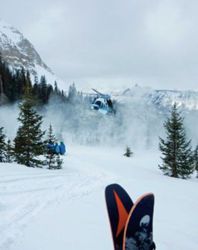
(149, 42)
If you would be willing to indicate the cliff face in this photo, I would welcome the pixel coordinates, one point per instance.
(18, 52)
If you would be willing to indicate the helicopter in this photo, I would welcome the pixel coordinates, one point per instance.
(102, 103)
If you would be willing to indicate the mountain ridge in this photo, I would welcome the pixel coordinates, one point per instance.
(185, 99)
(14, 44)
(18, 52)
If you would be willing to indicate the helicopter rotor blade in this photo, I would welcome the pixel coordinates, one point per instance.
(105, 96)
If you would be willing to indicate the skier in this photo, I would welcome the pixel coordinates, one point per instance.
(110, 104)
(56, 148)
(50, 146)
(62, 148)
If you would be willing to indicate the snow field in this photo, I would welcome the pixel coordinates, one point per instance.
(65, 209)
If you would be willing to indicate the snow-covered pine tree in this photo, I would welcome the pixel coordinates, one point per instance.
(9, 151)
(2, 145)
(176, 150)
(28, 142)
(196, 159)
(50, 155)
(59, 162)
(72, 94)
(128, 152)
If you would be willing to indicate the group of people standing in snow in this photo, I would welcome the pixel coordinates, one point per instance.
(57, 148)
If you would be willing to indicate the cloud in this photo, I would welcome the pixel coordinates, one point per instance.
(152, 42)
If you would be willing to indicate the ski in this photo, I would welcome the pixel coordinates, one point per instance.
(119, 205)
(138, 232)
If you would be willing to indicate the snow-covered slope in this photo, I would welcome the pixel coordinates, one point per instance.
(18, 52)
(163, 99)
(65, 209)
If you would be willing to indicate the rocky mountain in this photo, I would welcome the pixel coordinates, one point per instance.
(18, 52)
(161, 99)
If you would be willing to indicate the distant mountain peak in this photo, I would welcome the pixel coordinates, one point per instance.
(161, 98)
(17, 51)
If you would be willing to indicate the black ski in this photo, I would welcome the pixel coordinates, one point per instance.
(119, 205)
(138, 233)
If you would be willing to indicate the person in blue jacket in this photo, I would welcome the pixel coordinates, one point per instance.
(56, 148)
(62, 148)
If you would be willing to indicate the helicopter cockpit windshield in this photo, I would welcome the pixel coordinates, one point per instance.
(102, 103)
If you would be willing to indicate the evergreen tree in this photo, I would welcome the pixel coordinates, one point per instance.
(72, 93)
(2, 146)
(9, 152)
(51, 156)
(43, 89)
(59, 162)
(54, 160)
(196, 159)
(14, 83)
(56, 87)
(28, 142)
(176, 150)
(36, 79)
(128, 152)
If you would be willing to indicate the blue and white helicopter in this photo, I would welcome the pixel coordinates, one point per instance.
(102, 103)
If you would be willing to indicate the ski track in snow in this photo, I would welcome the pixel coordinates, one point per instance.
(64, 200)
(24, 196)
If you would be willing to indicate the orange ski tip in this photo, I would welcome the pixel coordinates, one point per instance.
(122, 214)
